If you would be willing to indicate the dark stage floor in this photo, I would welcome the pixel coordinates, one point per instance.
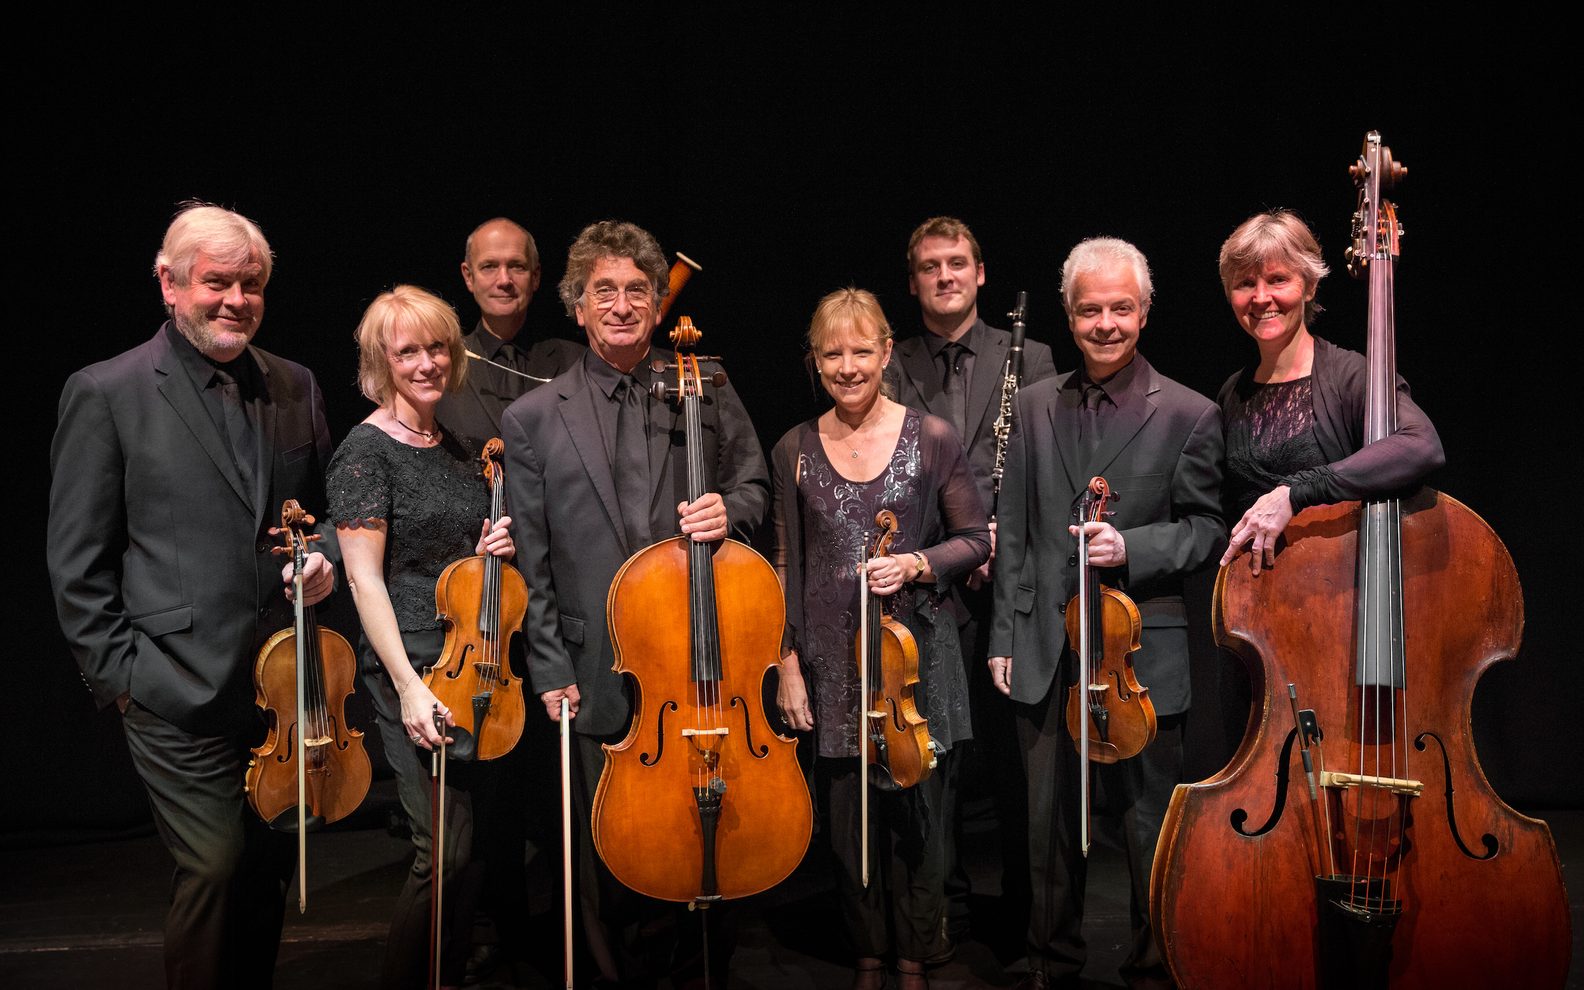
(89, 916)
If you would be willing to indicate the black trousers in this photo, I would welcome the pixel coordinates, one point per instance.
(1128, 805)
(469, 794)
(228, 893)
(990, 760)
(902, 908)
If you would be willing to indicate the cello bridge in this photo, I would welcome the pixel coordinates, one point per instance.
(1396, 785)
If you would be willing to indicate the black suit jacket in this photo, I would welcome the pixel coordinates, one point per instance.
(1162, 455)
(474, 410)
(570, 542)
(159, 557)
(916, 380)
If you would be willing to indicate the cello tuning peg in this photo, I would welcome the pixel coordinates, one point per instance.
(718, 379)
(659, 364)
(661, 391)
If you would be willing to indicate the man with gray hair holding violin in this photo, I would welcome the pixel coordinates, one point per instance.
(170, 464)
(1158, 446)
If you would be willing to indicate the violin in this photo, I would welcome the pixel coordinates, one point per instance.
(895, 736)
(311, 762)
(702, 800)
(482, 603)
(1109, 714)
(1353, 841)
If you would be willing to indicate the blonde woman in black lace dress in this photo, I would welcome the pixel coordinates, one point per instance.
(407, 500)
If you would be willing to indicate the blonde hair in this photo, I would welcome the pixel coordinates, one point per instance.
(417, 311)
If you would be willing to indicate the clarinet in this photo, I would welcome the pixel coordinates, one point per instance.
(1011, 378)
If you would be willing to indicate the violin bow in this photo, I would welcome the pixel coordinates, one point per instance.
(863, 714)
(437, 845)
(566, 836)
(1085, 634)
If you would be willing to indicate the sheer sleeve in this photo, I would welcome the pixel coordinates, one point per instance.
(967, 541)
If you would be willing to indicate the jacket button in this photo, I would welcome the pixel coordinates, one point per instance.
(1072, 561)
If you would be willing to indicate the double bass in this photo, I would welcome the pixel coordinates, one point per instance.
(482, 602)
(311, 768)
(702, 800)
(1109, 713)
(1353, 841)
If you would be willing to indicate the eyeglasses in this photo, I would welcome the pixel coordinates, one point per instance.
(639, 295)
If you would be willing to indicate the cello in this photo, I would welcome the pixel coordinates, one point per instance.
(702, 800)
(482, 603)
(1353, 841)
(311, 762)
(1109, 714)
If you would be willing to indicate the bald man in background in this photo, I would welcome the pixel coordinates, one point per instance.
(500, 267)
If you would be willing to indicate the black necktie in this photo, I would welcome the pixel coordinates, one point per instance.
(632, 462)
(1089, 418)
(239, 430)
(954, 387)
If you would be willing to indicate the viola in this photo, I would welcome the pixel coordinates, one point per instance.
(482, 602)
(702, 800)
(1353, 841)
(1109, 714)
(311, 762)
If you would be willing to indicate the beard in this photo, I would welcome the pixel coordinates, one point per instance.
(210, 339)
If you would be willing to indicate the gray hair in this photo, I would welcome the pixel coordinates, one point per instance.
(612, 239)
(1100, 254)
(227, 237)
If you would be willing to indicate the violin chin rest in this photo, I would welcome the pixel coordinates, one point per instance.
(286, 821)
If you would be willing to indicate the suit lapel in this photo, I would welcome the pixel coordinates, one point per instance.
(984, 392)
(264, 408)
(1064, 429)
(920, 368)
(665, 418)
(177, 388)
(1130, 417)
(580, 416)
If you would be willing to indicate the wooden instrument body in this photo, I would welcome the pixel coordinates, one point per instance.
(334, 772)
(1483, 903)
(646, 820)
(907, 755)
(1130, 715)
(476, 662)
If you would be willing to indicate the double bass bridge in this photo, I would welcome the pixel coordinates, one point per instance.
(1337, 780)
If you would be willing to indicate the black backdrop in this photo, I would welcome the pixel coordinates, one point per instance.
(791, 158)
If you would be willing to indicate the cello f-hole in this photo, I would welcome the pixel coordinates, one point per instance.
(645, 758)
(756, 751)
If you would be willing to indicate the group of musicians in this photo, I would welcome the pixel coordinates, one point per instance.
(169, 458)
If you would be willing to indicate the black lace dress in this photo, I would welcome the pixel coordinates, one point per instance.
(1270, 437)
(433, 502)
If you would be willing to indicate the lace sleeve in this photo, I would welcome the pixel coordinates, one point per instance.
(358, 486)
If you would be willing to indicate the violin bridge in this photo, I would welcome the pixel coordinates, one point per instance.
(722, 731)
(1396, 785)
